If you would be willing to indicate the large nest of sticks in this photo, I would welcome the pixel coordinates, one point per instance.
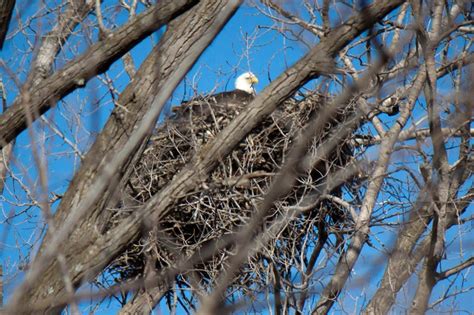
(227, 199)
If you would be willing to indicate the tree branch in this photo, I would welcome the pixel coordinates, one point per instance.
(172, 60)
(6, 11)
(78, 71)
(455, 270)
(349, 258)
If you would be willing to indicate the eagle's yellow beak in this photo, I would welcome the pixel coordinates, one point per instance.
(253, 79)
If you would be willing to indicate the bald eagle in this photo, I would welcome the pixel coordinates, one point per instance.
(244, 91)
(242, 95)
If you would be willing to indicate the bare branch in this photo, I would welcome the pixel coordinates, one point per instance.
(455, 270)
(345, 265)
(95, 61)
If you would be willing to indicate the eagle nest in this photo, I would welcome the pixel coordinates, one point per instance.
(227, 199)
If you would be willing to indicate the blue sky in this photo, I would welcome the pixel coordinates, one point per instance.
(246, 43)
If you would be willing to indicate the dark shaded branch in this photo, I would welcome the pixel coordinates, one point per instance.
(6, 11)
(455, 270)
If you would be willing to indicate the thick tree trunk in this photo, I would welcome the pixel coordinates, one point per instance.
(164, 61)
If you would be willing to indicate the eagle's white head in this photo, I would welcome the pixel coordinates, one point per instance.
(245, 82)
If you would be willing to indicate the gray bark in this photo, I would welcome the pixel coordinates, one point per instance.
(36, 101)
(169, 61)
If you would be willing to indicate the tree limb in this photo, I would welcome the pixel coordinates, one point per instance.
(6, 11)
(454, 270)
(77, 72)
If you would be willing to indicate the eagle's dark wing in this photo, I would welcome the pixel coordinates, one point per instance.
(236, 97)
(203, 105)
